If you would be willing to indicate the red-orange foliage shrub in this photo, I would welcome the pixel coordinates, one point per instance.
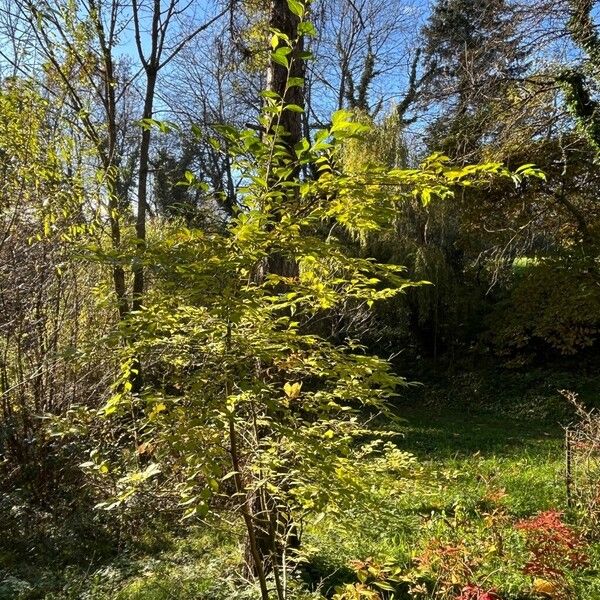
(554, 546)
(475, 592)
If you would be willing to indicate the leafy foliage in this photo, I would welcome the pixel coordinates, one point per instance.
(555, 550)
(539, 311)
(244, 400)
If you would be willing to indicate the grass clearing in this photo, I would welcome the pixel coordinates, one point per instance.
(474, 477)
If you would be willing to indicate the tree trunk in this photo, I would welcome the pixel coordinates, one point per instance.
(285, 21)
(142, 200)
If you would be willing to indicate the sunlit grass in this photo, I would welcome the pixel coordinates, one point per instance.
(468, 470)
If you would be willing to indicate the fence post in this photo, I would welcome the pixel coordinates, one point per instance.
(568, 467)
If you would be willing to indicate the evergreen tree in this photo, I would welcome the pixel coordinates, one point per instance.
(474, 52)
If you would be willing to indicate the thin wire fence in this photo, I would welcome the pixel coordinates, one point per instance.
(582, 464)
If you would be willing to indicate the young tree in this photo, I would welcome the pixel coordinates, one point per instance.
(243, 400)
(78, 52)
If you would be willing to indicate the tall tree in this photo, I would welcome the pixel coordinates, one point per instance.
(580, 81)
(163, 46)
(474, 52)
(285, 75)
(83, 73)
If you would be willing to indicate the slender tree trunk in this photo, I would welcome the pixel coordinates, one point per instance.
(254, 550)
(118, 273)
(111, 158)
(142, 200)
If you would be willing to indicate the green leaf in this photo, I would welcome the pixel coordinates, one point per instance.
(162, 126)
(295, 82)
(307, 28)
(280, 57)
(296, 7)
(270, 94)
(340, 118)
(197, 131)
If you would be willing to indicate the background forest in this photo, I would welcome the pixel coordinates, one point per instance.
(296, 297)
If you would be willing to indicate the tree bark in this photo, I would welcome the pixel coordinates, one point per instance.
(282, 19)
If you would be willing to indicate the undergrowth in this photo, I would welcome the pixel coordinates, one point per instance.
(457, 524)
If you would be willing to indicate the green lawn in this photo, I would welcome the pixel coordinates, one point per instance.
(474, 477)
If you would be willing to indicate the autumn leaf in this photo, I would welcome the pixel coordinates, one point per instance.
(292, 390)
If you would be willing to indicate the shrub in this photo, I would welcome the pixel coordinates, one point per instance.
(583, 463)
(476, 592)
(555, 549)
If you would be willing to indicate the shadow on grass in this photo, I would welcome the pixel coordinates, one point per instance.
(448, 434)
